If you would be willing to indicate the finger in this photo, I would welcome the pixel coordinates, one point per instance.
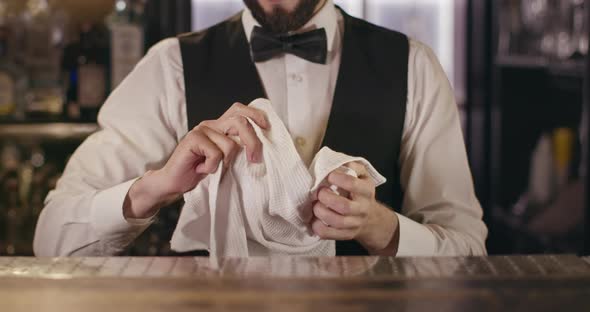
(335, 220)
(228, 146)
(360, 169)
(341, 205)
(352, 184)
(239, 109)
(328, 233)
(200, 145)
(241, 127)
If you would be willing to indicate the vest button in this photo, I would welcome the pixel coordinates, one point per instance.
(300, 142)
(296, 77)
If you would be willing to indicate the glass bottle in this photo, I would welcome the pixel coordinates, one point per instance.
(43, 48)
(126, 24)
(13, 81)
(580, 28)
(10, 161)
(93, 70)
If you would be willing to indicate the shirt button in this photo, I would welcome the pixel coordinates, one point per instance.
(300, 142)
(296, 77)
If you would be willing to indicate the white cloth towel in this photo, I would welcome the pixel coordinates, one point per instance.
(262, 209)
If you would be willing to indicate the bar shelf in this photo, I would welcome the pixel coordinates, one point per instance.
(47, 131)
(565, 68)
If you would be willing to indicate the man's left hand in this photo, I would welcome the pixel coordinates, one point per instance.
(359, 217)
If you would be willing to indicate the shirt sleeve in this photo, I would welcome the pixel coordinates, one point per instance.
(441, 214)
(139, 123)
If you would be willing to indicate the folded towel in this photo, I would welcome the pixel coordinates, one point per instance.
(262, 209)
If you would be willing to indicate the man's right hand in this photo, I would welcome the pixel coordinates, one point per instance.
(197, 155)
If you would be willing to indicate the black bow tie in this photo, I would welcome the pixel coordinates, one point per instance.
(311, 45)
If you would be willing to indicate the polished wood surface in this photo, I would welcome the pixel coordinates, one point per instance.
(521, 283)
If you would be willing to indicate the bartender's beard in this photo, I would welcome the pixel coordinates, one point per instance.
(281, 21)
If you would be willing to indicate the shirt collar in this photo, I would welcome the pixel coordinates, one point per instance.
(326, 18)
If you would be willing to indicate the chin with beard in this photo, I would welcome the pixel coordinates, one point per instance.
(280, 21)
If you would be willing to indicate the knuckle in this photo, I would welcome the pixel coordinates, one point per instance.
(216, 154)
(363, 212)
(209, 169)
(353, 165)
(237, 105)
(195, 135)
(322, 194)
(204, 123)
(317, 208)
(354, 223)
(204, 129)
(336, 221)
(324, 215)
(241, 120)
(357, 208)
(356, 184)
(197, 128)
(318, 229)
(347, 181)
(258, 114)
(327, 199)
(346, 206)
(317, 211)
(360, 169)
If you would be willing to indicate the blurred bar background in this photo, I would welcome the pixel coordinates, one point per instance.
(519, 69)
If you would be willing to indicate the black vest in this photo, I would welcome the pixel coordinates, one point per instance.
(368, 111)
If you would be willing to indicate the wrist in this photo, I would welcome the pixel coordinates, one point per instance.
(381, 234)
(146, 196)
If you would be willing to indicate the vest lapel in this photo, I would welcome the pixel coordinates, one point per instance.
(364, 111)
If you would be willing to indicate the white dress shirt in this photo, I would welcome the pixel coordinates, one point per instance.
(145, 117)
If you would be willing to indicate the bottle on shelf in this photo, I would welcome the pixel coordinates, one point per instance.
(45, 28)
(86, 61)
(550, 172)
(26, 177)
(563, 149)
(10, 157)
(580, 28)
(13, 80)
(541, 181)
(71, 53)
(127, 28)
(38, 176)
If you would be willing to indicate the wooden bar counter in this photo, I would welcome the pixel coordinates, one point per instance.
(516, 283)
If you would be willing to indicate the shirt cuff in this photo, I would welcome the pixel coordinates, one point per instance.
(415, 239)
(107, 212)
(146, 221)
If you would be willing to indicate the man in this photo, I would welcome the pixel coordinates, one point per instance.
(334, 80)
